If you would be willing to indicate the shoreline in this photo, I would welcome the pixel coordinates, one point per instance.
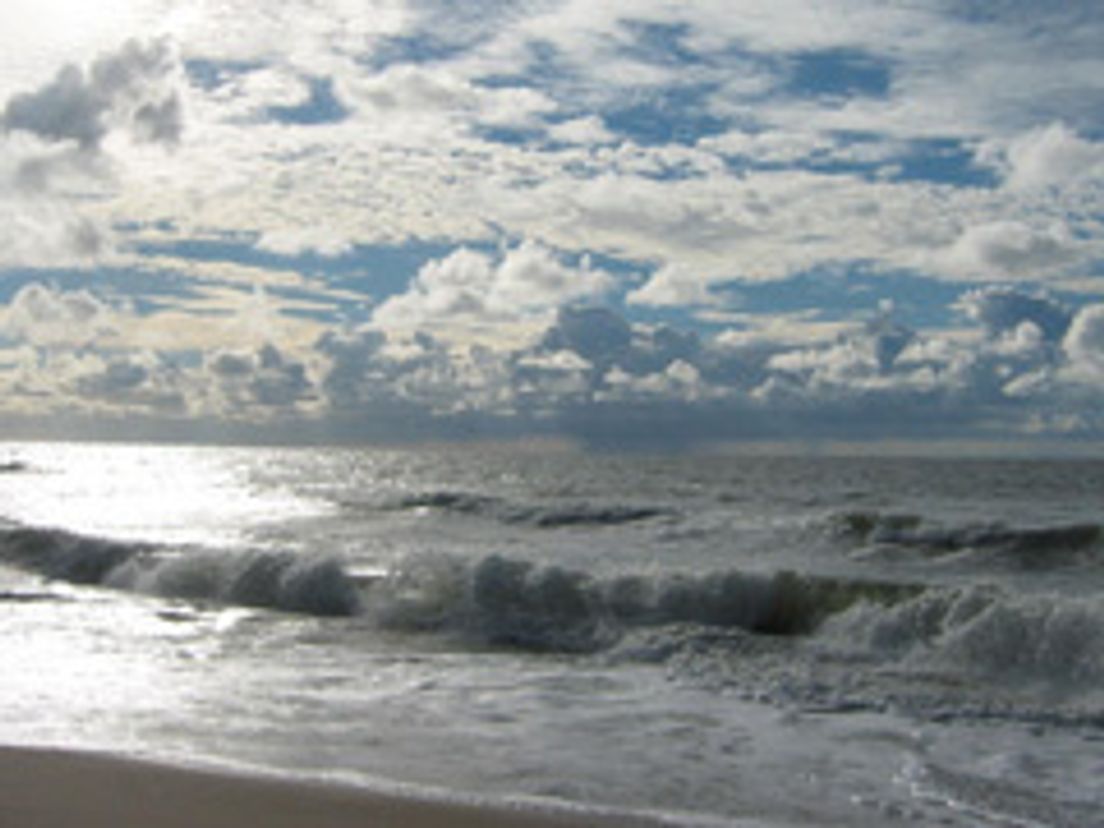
(63, 788)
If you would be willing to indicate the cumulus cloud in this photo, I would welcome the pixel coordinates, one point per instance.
(592, 374)
(587, 130)
(406, 382)
(1085, 342)
(126, 89)
(1010, 249)
(673, 285)
(44, 316)
(141, 381)
(53, 145)
(262, 380)
(295, 241)
(469, 289)
(598, 335)
(708, 147)
(42, 232)
(1053, 155)
(680, 383)
(1003, 309)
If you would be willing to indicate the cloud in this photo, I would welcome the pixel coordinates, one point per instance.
(1010, 249)
(587, 130)
(701, 150)
(679, 382)
(1053, 155)
(416, 383)
(245, 383)
(598, 335)
(469, 290)
(1085, 343)
(296, 241)
(44, 316)
(126, 89)
(43, 232)
(592, 374)
(55, 166)
(1002, 309)
(673, 285)
(142, 381)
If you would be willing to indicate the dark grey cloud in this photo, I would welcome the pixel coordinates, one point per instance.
(265, 378)
(126, 89)
(598, 335)
(1003, 309)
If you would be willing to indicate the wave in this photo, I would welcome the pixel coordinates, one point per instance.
(1034, 547)
(985, 635)
(544, 607)
(496, 600)
(821, 642)
(275, 580)
(9, 596)
(537, 516)
(974, 652)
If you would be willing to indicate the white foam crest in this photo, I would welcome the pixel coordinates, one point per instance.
(984, 632)
(315, 585)
(519, 603)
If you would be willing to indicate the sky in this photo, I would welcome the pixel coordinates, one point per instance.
(634, 222)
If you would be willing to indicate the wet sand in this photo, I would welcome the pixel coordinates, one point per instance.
(45, 788)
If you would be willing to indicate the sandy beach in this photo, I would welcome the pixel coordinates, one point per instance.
(57, 789)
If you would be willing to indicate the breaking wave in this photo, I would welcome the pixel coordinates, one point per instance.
(276, 580)
(537, 516)
(494, 599)
(543, 607)
(971, 652)
(1034, 547)
(985, 632)
(820, 642)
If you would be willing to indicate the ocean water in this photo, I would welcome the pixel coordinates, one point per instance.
(723, 639)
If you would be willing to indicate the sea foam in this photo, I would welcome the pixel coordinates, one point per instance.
(311, 584)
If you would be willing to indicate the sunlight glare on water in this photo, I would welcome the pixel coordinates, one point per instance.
(172, 495)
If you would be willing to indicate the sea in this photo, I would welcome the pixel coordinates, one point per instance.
(751, 638)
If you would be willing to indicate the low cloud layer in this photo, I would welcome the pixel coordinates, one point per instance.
(1026, 368)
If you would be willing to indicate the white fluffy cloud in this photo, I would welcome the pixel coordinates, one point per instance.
(1052, 156)
(57, 168)
(469, 291)
(42, 232)
(1085, 343)
(673, 285)
(1012, 249)
(42, 316)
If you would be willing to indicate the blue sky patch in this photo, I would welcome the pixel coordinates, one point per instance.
(209, 75)
(667, 116)
(839, 73)
(320, 107)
